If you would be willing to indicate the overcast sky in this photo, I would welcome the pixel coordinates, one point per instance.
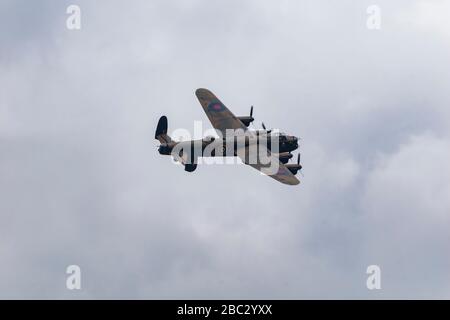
(81, 181)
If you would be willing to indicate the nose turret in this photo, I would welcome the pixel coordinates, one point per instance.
(292, 142)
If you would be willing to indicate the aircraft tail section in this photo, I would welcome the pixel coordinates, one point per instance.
(161, 131)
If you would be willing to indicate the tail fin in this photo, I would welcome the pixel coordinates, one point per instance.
(161, 131)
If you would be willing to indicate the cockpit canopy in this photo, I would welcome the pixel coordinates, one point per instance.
(278, 133)
(209, 139)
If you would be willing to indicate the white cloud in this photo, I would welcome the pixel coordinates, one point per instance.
(406, 209)
(429, 16)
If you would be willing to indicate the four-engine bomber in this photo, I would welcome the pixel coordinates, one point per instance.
(265, 150)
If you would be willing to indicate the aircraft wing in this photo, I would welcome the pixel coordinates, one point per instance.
(276, 170)
(221, 118)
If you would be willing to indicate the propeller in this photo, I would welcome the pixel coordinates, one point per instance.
(251, 115)
(264, 127)
(298, 162)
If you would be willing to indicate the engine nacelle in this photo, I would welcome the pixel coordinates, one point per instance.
(285, 157)
(246, 120)
(294, 168)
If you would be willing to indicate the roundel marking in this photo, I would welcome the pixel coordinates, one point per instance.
(215, 106)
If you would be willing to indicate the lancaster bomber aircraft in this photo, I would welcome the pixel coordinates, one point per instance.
(264, 150)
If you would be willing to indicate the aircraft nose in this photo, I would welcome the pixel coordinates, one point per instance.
(294, 141)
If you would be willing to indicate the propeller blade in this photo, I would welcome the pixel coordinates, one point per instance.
(298, 162)
(251, 111)
(264, 127)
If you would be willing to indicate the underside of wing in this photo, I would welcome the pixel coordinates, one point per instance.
(260, 158)
(221, 118)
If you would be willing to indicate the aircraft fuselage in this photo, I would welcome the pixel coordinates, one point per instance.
(212, 147)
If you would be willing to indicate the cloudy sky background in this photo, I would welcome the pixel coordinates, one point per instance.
(81, 181)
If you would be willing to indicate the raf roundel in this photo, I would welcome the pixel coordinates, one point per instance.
(215, 106)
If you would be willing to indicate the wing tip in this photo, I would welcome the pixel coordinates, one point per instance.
(292, 182)
(288, 180)
(202, 91)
